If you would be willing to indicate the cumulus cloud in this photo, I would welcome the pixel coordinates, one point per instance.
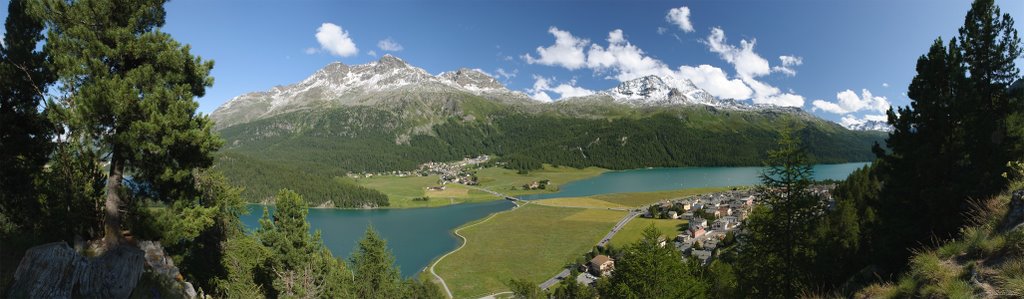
(850, 120)
(715, 82)
(788, 63)
(622, 57)
(335, 40)
(541, 86)
(849, 102)
(389, 45)
(500, 72)
(566, 52)
(749, 65)
(623, 61)
(681, 17)
(885, 84)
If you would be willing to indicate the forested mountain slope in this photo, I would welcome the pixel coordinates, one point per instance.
(397, 117)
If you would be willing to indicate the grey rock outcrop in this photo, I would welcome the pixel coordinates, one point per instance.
(1015, 213)
(55, 270)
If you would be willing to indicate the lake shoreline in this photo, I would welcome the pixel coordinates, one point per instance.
(544, 195)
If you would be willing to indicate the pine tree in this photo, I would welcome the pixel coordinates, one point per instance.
(373, 269)
(989, 46)
(300, 265)
(774, 247)
(129, 90)
(951, 145)
(26, 133)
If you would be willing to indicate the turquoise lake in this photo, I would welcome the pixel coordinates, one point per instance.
(417, 236)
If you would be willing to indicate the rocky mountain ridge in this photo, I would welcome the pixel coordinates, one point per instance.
(393, 83)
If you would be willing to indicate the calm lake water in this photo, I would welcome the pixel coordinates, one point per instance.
(417, 236)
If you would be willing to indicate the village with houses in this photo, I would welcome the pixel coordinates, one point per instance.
(710, 217)
(458, 172)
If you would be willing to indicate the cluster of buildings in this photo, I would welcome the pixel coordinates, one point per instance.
(449, 172)
(710, 218)
(453, 172)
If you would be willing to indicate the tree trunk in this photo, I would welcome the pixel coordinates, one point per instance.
(111, 208)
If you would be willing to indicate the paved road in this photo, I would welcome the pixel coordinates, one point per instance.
(604, 241)
(495, 193)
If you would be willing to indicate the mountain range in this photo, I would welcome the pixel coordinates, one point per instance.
(389, 115)
(391, 79)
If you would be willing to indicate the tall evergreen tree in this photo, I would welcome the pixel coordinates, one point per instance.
(25, 135)
(951, 145)
(774, 247)
(373, 269)
(129, 89)
(989, 44)
(299, 264)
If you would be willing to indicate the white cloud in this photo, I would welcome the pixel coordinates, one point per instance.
(715, 82)
(748, 64)
(849, 102)
(311, 50)
(542, 85)
(681, 17)
(662, 30)
(389, 45)
(885, 84)
(623, 61)
(335, 40)
(500, 72)
(850, 120)
(624, 58)
(372, 53)
(788, 62)
(541, 96)
(783, 99)
(566, 52)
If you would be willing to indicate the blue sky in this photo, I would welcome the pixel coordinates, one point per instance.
(844, 47)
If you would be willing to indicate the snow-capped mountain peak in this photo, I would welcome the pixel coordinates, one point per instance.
(652, 90)
(868, 125)
(472, 79)
(644, 87)
(362, 84)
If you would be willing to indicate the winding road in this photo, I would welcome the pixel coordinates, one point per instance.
(604, 241)
(518, 203)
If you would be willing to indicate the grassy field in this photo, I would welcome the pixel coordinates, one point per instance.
(509, 182)
(646, 198)
(402, 190)
(633, 230)
(588, 202)
(626, 200)
(532, 242)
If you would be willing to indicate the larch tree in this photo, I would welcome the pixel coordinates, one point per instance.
(129, 90)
